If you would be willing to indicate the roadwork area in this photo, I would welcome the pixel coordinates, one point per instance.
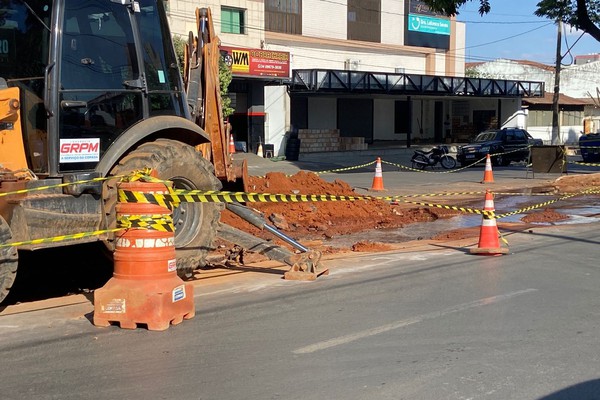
(335, 228)
(316, 223)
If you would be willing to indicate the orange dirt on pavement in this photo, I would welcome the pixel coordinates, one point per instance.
(309, 222)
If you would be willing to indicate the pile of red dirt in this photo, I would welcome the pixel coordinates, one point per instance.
(314, 221)
(325, 219)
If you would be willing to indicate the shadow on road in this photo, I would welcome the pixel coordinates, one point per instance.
(588, 390)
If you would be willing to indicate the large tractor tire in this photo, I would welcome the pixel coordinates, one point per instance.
(9, 260)
(195, 223)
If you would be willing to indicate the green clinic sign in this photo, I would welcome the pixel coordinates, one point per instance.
(424, 24)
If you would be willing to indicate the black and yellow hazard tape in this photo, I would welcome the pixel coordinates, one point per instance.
(544, 204)
(585, 164)
(400, 166)
(449, 207)
(136, 175)
(164, 222)
(331, 171)
(157, 222)
(443, 194)
(524, 194)
(175, 198)
(128, 196)
(345, 168)
(60, 238)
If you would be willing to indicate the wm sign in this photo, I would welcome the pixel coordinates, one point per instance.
(241, 61)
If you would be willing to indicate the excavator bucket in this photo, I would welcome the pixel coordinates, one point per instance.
(304, 265)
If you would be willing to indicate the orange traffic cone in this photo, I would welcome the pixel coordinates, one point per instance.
(378, 179)
(489, 244)
(488, 175)
(231, 145)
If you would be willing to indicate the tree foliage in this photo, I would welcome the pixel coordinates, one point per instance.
(582, 14)
(225, 75)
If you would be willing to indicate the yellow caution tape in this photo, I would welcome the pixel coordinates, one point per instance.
(60, 238)
(135, 176)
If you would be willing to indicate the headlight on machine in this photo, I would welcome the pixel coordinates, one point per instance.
(485, 149)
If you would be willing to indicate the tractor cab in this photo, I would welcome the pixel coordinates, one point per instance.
(83, 72)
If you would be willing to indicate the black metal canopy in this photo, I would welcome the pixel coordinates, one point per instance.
(325, 81)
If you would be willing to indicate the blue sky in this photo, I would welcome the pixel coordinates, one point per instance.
(511, 30)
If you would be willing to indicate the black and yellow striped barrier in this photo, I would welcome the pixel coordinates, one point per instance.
(158, 222)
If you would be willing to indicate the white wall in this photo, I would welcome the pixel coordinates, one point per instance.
(324, 18)
(459, 61)
(568, 134)
(518, 119)
(182, 20)
(392, 21)
(277, 122)
(310, 58)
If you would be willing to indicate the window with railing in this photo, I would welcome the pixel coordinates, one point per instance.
(232, 20)
(284, 16)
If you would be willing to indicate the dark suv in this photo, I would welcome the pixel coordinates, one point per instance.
(503, 145)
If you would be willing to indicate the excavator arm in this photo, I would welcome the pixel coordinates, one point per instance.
(201, 83)
(202, 86)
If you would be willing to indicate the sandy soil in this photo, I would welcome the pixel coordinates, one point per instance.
(310, 222)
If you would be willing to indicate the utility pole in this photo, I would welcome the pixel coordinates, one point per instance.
(555, 107)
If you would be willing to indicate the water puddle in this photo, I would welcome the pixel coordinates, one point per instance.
(579, 210)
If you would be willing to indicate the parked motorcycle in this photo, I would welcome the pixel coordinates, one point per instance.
(438, 154)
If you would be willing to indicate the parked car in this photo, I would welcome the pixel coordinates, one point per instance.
(503, 145)
(589, 146)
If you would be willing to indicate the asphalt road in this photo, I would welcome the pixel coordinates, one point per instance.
(434, 323)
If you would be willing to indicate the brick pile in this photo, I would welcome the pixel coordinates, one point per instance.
(327, 140)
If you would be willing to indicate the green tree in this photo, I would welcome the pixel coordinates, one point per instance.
(225, 75)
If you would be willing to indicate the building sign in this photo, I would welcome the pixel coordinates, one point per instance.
(421, 23)
(425, 28)
(256, 62)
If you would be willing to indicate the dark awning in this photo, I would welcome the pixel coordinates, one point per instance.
(323, 81)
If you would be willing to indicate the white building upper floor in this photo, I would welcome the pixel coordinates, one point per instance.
(363, 35)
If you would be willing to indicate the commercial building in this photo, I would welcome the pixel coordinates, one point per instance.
(360, 71)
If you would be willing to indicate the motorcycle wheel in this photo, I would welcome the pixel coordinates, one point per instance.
(419, 161)
(448, 162)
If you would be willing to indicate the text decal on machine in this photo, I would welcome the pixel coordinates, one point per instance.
(79, 150)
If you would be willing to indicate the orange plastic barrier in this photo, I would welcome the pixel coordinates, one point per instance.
(145, 287)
